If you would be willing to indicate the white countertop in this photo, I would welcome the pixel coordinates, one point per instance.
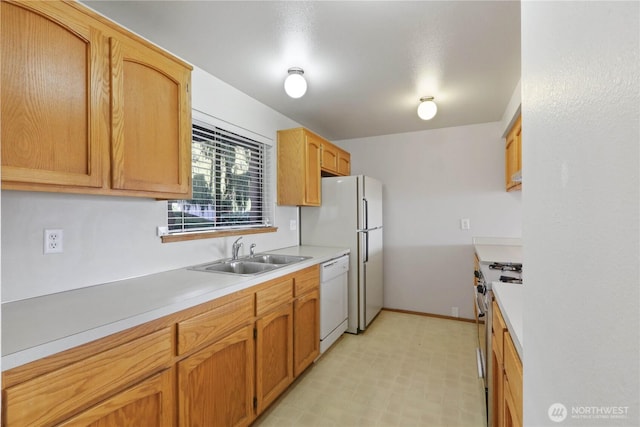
(498, 249)
(42, 326)
(509, 298)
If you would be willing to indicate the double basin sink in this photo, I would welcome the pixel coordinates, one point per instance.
(251, 265)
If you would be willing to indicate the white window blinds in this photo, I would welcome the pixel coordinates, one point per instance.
(230, 187)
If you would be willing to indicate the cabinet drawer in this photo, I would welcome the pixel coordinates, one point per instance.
(499, 327)
(307, 280)
(513, 370)
(54, 396)
(214, 323)
(280, 292)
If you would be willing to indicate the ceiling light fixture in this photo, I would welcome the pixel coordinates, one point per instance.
(295, 85)
(427, 109)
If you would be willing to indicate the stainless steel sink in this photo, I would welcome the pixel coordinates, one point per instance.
(239, 267)
(251, 266)
(276, 258)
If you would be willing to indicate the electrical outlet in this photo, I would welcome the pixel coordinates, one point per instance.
(293, 225)
(53, 239)
(455, 312)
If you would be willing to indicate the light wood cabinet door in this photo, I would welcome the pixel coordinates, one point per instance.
(150, 121)
(274, 355)
(344, 163)
(513, 379)
(299, 167)
(216, 384)
(510, 415)
(335, 160)
(513, 155)
(54, 102)
(54, 396)
(306, 318)
(496, 387)
(150, 403)
(312, 166)
(329, 158)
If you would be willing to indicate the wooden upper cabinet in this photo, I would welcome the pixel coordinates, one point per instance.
(513, 155)
(88, 107)
(329, 158)
(299, 157)
(335, 160)
(344, 163)
(303, 158)
(150, 121)
(53, 97)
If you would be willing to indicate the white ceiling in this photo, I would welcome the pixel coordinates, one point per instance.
(367, 63)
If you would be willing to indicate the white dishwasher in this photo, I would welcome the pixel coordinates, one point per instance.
(334, 311)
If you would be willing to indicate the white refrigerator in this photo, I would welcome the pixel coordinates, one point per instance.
(351, 217)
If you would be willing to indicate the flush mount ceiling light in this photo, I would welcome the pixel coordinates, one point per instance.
(295, 85)
(427, 109)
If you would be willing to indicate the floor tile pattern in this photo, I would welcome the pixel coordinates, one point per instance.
(406, 370)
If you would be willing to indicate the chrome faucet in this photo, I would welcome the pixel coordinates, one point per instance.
(252, 250)
(236, 248)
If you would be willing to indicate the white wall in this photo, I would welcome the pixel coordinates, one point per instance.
(581, 204)
(431, 180)
(112, 238)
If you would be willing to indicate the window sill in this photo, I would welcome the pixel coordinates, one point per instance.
(214, 234)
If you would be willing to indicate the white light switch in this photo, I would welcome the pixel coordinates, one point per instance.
(465, 224)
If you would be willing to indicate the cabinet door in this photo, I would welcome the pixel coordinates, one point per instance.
(496, 391)
(312, 167)
(344, 163)
(274, 354)
(306, 340)
(330, 158)
(150, 403)
(513, 373)
(54, 103)
(513, 155)
(216, 384)
(150, 122)
(510, 413)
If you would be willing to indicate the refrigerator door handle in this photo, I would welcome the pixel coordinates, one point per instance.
(365, 213)
(365, 235)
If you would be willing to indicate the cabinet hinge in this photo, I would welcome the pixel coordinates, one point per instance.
(255, 402)
(255, 333)
(187, 87)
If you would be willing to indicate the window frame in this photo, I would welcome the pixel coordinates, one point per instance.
(202, 119)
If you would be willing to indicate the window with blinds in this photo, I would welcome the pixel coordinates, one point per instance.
(229, 178)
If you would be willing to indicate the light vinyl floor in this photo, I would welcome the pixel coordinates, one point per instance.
(405, 370)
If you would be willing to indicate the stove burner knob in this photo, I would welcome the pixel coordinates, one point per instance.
(482, 289)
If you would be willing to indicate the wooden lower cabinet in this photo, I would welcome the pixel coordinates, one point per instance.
(150, 404)
(274, 355)
(506, 381)
(497, 383)
(216, 384)
(306, 317)
(61, 393)
(510, 412)
(221, 363)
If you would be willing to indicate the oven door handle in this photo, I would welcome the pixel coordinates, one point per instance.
(478, 298)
